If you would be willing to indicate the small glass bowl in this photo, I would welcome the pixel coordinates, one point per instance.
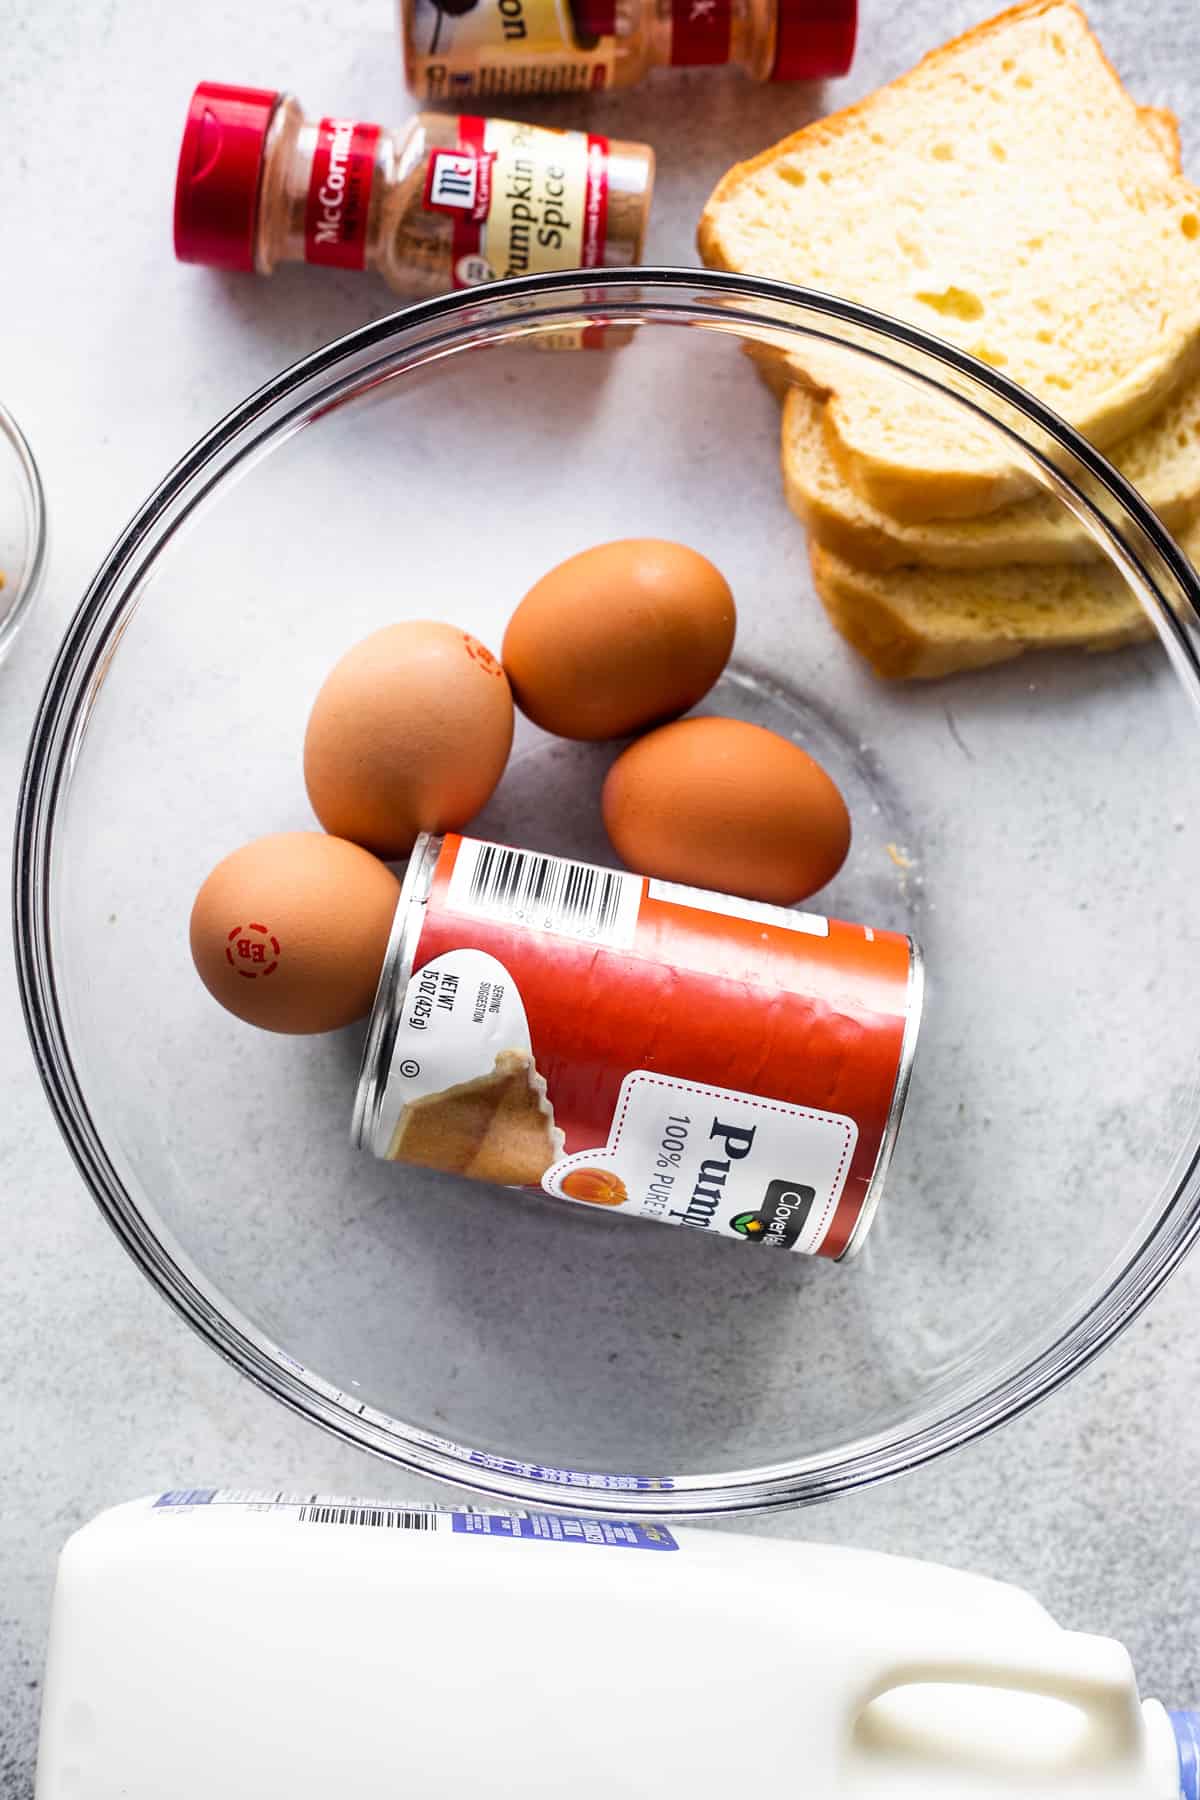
(22, 529)
(1032, 826)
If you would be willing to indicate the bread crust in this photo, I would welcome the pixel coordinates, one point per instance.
(1037, 531)
(868, 612)
(829, 128)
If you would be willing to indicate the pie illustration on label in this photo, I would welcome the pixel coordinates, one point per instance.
(498, 1127)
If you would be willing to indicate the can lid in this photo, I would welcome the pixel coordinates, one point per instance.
(216, 186)
(814, 38)
(1187, 1740)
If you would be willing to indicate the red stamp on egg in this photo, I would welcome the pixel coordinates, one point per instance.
(479, 653)
(252, 951)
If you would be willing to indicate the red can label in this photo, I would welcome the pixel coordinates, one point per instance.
(664, 1051)
(339, 194)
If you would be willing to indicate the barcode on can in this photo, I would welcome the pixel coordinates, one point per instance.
(393, 1518)
(545, 893)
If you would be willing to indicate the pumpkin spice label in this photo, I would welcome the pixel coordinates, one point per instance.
(522, 199)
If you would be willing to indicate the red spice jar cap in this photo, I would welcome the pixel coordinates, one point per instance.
(220, 161)
(814, 38)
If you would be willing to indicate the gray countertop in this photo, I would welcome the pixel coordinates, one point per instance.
(114, 359)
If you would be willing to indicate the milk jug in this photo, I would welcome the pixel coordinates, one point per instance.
(217, 1645)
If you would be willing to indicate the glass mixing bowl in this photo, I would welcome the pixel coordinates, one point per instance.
(22, 530)
(1030, 825)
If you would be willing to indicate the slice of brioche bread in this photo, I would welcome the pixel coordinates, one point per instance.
(779, 373)
(922, 623)
(1009, 195)
(1162, 460)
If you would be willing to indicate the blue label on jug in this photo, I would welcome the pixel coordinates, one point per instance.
(467, 1521)
(616, 1534)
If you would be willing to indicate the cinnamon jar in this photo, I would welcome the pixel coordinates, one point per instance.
(458, 49)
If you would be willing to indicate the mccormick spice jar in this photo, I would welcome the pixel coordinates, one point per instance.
(455, 49)
(662, 1051)
(442, 203)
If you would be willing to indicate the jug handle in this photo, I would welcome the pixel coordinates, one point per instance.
(1091, 1673)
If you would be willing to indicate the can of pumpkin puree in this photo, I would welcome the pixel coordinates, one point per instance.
(615, 1041)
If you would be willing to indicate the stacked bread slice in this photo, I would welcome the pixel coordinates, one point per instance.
(1007, 194)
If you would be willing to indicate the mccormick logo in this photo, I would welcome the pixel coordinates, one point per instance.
(331, 195)
(339, 193)
(453, 180)
(460, 182)
(781, 1217)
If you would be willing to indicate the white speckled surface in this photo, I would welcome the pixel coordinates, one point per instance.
(115, 359)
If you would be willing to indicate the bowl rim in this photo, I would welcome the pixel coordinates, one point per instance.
(18, 605)
(1119, 518)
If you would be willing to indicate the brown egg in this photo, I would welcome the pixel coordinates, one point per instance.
(410, 733)
(618, 637)
(290, 931)
(717, 803)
